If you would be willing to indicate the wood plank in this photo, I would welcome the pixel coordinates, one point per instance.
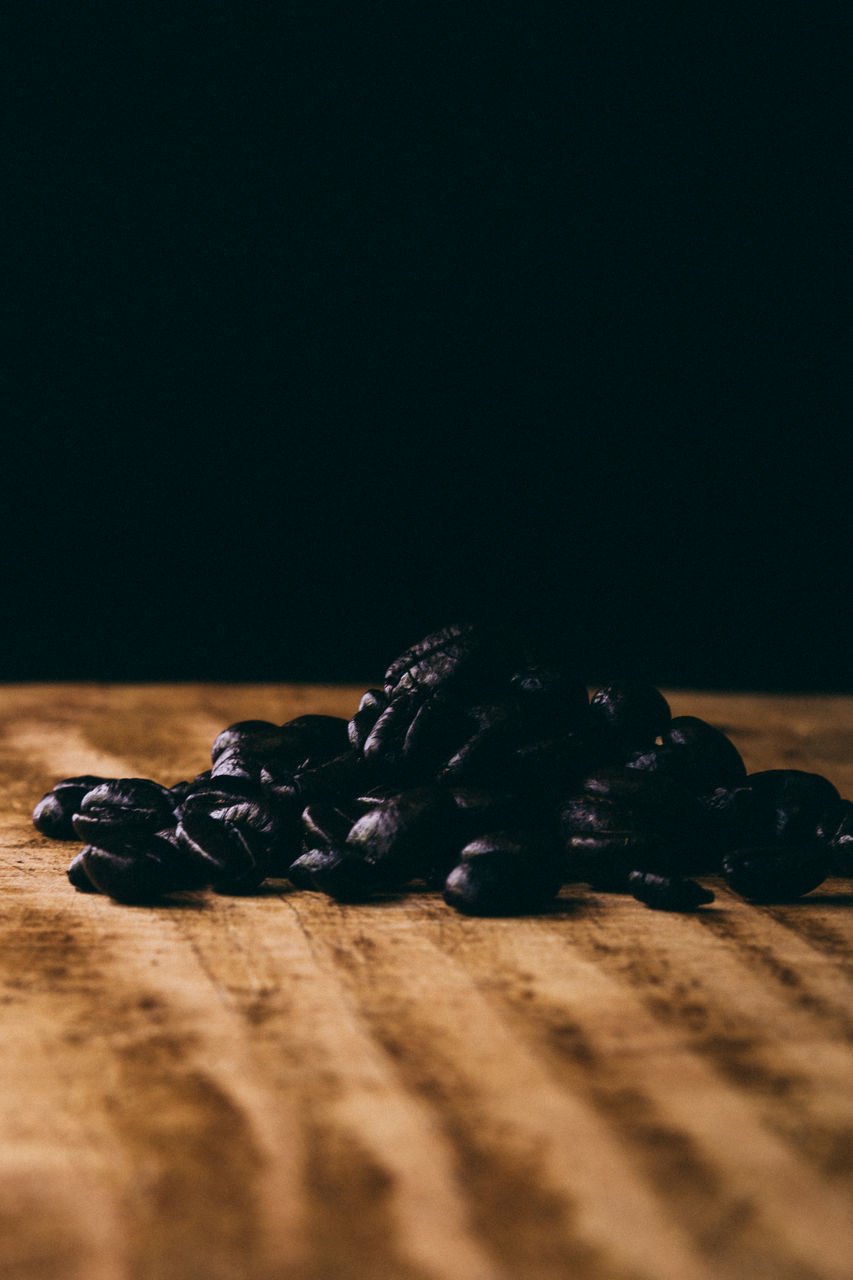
(284, 1088)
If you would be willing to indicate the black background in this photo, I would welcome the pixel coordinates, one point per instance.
(328, 325)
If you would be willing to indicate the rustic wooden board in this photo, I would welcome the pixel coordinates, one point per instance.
(283, 1088)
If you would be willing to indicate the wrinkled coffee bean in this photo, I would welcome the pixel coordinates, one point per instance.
(53, 814)
(668, 893)
(503, 873)
(775, 873)
(111, 810)
(370, 708)
(783, 805)
(77, 874)
(696, 754)
(456, 654)
(338, 873)
(135, 877)
(548, 701)
(237, 836)
(835, 829)
(406, 833)
(628, 716)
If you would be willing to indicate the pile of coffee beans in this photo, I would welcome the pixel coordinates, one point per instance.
(479, 770)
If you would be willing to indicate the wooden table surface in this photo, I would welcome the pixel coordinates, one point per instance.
(284, 1088)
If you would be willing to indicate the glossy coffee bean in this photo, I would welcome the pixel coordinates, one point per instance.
(605, 861)
(456, 654)
(132, 877)
(668, 893)
(325, 826)
(338, 873)
(548, 700)
(547, 769)
(231, 857)
(53, 814)
(835, 830)
(255, 737)
(503, 873)
(776, 872)
(273, 830)
(481, 809)
(384, 747)
(628, 716)
(334, 781)
(438, 726)
(490, 737)
(406, 833)
(663, 807)
(77, 874)
(112, 810)
(696, 754)
(373, 703)
(311, 740)
(784, 805)
(235, 763)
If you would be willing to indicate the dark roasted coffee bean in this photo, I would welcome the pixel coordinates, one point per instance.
(77, 875)
(785, 805)
(255, 737)
(223, 789)
(272, 831)
(668, 893)
(444, 656)
(595, 814)
(478, 810)
(384, 746)
(234, 763)
(309, 741)
(132, 877)
(370, 708)
(598, 827)
(337, 873)
(303, 742)
(406, 833)
(604, 862)
(338, 779)
(605, 840)
(696, 754)
(503, 873)
(370, 798)
(724, 809)
(481, 809)
(325, 826)
(549, 768)
(487, 747)
(246, 748)
(232, 857)
(548, 701)
(656, 803)
(413, 736)
(628, 716)
(835, 830)
(108, 812)
(440, 725)
(180, 790)
(53, 814)
(645, 792)
(299, 873)
(776, 872)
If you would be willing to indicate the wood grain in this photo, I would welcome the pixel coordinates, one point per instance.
(285, 1088)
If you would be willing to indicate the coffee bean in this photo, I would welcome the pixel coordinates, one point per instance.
(776, 873)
